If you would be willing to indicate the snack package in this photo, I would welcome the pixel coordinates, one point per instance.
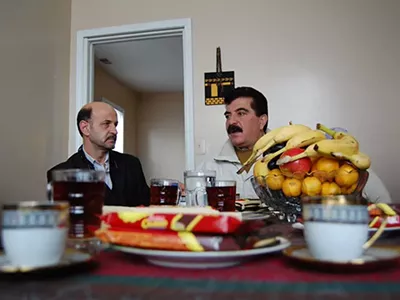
(247, 204)
(377, 212)
(393, 221)
(184, 241)
(220, 223)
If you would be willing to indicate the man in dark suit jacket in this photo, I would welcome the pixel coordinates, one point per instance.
(125, 181)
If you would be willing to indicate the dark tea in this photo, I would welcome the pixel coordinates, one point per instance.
(86, 198)
(222, 198)
(164, 192)
(163, 195)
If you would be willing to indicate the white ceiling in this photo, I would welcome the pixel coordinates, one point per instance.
(153, 65)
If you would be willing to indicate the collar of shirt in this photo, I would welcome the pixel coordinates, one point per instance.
(94, 162)
(103, 167)
(228, 153)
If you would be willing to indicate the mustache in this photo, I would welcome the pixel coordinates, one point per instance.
(233, 129)
(112, 137)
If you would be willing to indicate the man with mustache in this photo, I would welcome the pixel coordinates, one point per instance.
(125, 182)
(246, 121)
(246, 114)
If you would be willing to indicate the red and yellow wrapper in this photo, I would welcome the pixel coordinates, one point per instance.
(378, 212)
(393, 221)
(178, 229)
(180, 222)
(182, 241)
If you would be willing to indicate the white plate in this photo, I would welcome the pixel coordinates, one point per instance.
(70, 258)
(387, 229)
(300, 226)
(254, 215)
(201, 260)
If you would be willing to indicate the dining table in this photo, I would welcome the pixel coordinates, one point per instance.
(116, 275)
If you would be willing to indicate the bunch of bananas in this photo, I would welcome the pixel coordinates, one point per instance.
(328, 166)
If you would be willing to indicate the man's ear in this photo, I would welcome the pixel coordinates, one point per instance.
(84, 127)
(263, 121)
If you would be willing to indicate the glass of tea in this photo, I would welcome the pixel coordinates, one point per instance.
(164, 191)
(222, 195)
(85, 192)
(196, 182)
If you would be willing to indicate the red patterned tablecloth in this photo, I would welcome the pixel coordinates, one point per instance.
(123, 276)
(272, 269)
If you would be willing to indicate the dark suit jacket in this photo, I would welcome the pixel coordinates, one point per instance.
(129, 185)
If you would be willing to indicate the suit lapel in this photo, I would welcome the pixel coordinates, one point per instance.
(116, 172)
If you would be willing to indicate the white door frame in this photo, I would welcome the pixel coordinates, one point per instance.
(85, 71)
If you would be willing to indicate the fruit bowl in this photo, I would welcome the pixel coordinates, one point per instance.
(295, 160)
(289, 208)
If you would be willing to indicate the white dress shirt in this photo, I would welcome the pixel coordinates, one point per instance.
(101, 167)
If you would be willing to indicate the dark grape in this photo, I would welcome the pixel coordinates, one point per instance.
(272, 164)
(275, 148)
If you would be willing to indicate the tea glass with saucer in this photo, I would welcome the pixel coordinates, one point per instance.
(34, 234)
(336, 227)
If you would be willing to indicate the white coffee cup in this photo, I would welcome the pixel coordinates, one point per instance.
(34, 234)
(336, 227)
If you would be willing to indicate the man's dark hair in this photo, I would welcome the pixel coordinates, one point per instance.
(259, 103)
(83, 115)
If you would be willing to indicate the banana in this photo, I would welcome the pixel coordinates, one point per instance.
(360, 160)
(261, 143)
(337, 135)
(260, 172)
(309, 152)
(343, 146)
(386, 209)
(327, 147)
(302, 139)
(283, 134)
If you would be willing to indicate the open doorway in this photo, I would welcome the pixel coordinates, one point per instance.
(85, 74)
(143, 81)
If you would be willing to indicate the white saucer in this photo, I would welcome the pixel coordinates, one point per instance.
(201, 260)
(374, 257)
(70, 258)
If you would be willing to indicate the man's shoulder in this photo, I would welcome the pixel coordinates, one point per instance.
(124, 157)
(207, 163)
(72, 162)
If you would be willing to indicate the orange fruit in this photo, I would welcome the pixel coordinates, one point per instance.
(311, 186)
(291, 187)
(330, 188)
(289, 174)
(349, 190)
(346, 176)
(326, 168)
(275, 180)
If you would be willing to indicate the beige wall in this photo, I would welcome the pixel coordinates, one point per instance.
(107, 86)
(161, 135)
(317, 61)
(34, 85)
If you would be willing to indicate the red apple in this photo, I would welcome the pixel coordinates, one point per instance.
(298, 168)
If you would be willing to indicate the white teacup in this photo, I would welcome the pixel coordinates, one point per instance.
(34, 234)
(336, 227)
